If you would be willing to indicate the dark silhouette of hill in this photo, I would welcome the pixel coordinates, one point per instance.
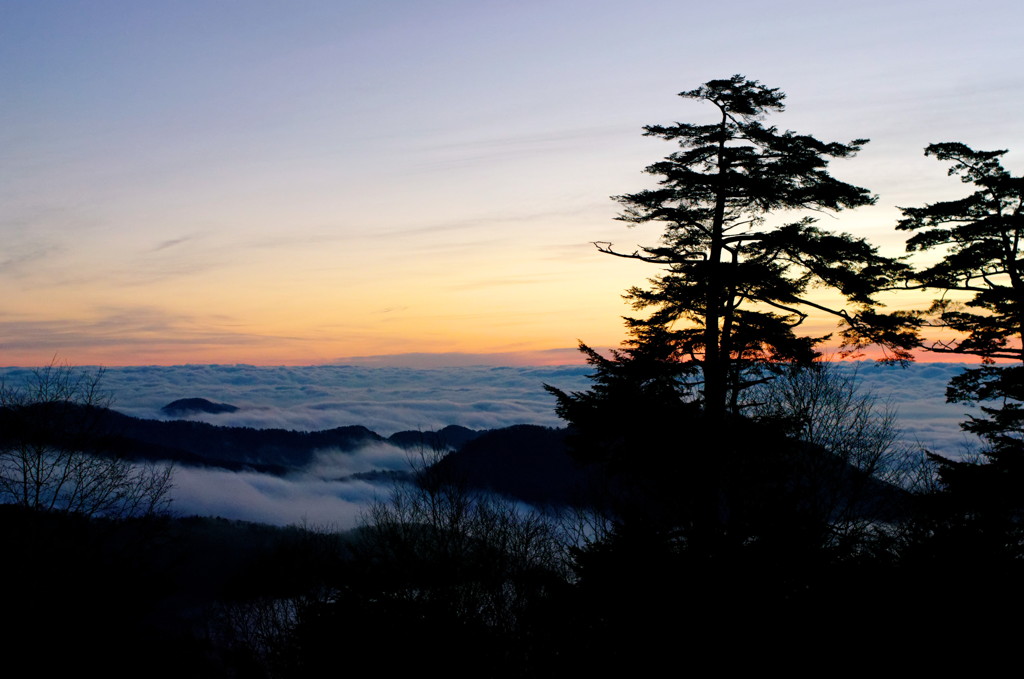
(524, 461)
(198, 443)
(451, 437)
(271, 450)
(274, 451)
(188, 406)
(534, 464)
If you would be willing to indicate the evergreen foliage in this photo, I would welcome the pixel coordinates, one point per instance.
(979, 238)
(981, 280)
(980, 277)
(666, 415)
(737, 280)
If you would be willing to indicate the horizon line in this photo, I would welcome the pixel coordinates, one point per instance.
(538, 358)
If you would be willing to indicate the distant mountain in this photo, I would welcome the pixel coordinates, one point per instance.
(533, 464)
(451, 437)
(275, 451)
(524, 461)
(189, 406)
(272, 451)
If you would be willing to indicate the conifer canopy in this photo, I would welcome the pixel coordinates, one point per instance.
(741, 248)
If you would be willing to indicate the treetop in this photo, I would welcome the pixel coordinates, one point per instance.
(739, 96)
(972, 165)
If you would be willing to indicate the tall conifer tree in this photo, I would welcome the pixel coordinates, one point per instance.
(980, 276)
(738, 279)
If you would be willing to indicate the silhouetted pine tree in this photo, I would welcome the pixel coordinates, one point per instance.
(981, 280)
(736, 279)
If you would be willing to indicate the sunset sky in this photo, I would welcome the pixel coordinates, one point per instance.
(261, 182)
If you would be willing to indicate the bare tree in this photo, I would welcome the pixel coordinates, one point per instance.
(854, 463)
(52, 453)
(485, 557)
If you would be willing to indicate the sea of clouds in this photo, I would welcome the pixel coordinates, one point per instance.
(385, 399)
(390, 399)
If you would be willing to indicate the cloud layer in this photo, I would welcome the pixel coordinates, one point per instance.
(390, 399)
(323, 494)
(321, 397)
(393, 399)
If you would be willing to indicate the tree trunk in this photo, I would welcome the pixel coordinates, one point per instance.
(714, 366)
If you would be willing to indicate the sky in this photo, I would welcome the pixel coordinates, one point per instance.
(281, 183)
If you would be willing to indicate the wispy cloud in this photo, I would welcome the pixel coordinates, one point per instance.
(502, 147)
(19, 261)
(507, 281)
(173, 242)
(123, 326)
(472, 224)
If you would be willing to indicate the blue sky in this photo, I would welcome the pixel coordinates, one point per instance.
(294, 183)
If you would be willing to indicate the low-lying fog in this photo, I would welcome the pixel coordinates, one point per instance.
(387, 400)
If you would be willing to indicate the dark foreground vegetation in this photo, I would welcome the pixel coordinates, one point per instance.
(719, 500)
(760, 547)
